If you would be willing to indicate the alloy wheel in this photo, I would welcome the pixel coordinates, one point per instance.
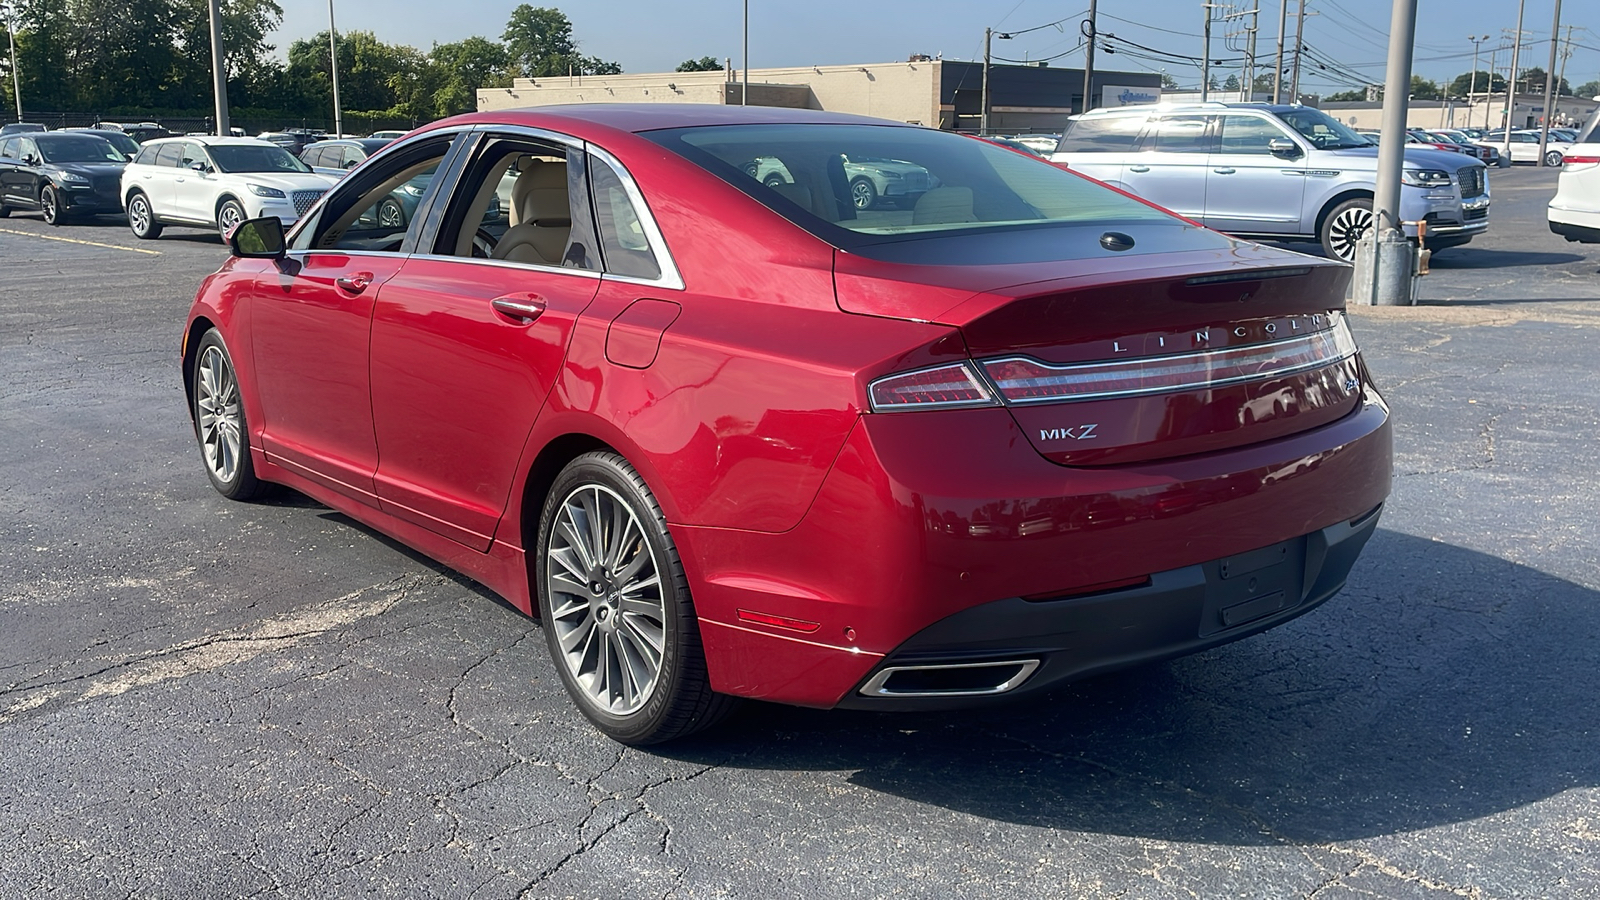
(390, 215)
(862, 193)
(50, 206)
(229, 216)
(218, 414)
(139, 215)
(607, 610)
(1347, 229)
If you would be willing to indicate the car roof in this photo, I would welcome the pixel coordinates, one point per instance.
(637, 117)
(212, 140)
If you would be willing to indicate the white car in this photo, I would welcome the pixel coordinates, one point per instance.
(1574, 213)
(205, 181)
(1525, 146)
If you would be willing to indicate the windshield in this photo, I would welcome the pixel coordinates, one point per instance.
(1322, 130)
(871, 181)
(254, 158)
(76, 149)
(121, 141)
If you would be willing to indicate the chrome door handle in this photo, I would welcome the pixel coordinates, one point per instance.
(1138, 168)
(523, 311)
(1223, 171)
(355, 282)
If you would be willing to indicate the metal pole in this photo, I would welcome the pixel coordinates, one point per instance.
(333, 59)
(219, 72)
(983, 114)
(1205, 64)
(1299, 50)
(1511, 86)
(1277, 74)
(16, 80)
(1389, 254)
(1473, 85)
(744, 88)
(1088, 56)
(1549, 85)
(1250, 55)
(1488, 91)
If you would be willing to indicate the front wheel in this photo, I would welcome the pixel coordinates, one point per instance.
(229, 215)
(219, 421)
(615, 602)
(391, 214)
(141, 219)
(862, 192)
(1553, 158)
(50, 206)
(1344, 227)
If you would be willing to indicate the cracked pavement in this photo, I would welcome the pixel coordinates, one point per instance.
(209, 699)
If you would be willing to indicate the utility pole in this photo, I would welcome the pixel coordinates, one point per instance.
(1385, 260)
(1511, 86)
(1488, 98)
(1549, 85)
(219, 71)
(1205, 64)
(333, 58)
(1088, 56)
(744, 88)
(1299, 50)
(1248, 88)
(1474, 84)
(16, 79)
(1277, 74)
(983, 114)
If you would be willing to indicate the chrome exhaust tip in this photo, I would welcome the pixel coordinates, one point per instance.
(950, 679)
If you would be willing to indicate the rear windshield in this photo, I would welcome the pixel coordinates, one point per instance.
(861, 184)
(255, 158)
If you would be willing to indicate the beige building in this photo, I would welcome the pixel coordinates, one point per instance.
(1527, 113)
(941, 93)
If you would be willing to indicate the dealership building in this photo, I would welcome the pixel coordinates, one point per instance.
(946, 94)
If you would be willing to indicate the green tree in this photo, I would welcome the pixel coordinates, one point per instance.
(1588, 89)
(463, 67)
(1486, 82)
(1424, 89)
(1168, 83)
(370, 71)
(1346, 96)
(1232, 84)
(539, 44)
(703, 64)
(1531, 81)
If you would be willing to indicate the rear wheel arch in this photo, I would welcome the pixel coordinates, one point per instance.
(552, 458)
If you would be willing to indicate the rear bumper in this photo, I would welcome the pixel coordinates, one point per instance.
(925, 517)
(1580, 233)
(1017, 647)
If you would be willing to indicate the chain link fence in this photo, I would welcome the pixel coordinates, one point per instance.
(250, 122)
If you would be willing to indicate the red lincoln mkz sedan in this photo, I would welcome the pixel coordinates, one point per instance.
(735, 434)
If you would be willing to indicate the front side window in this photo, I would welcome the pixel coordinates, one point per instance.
(521, 201)
(374, 213)
(255, 158)
(1101, 134)
(855, 185)
(1322, 130)
(1249, 134)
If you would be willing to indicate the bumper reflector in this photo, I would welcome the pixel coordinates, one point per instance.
(760, 618)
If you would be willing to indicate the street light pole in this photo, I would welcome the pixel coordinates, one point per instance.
(1511, 86)
(16, 80)
(1473, 87)
(1549, 83)
(219, 70)
(333, 59)
(1385, 260)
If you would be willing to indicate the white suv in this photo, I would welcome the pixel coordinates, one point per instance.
(1574, 212)
(215, 182)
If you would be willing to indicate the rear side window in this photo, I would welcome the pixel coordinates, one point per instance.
(622, 237)
(1108, 134)
(168, 154)
(1178, 134)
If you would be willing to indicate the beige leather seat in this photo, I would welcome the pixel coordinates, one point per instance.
(944, 206)
(541, 216)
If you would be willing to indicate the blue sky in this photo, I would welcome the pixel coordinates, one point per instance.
(654, 36)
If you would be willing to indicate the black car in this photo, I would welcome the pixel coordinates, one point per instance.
(60, 174)
(292, 141)
(118, 139)
(336, 157)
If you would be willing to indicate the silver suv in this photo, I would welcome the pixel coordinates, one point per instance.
(1287, 173)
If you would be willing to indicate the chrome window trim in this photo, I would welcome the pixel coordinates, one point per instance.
(532, 267)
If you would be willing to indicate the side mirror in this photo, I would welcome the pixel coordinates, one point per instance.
(198, 166)
(1284, 148)
(350, 165)
(258, 238)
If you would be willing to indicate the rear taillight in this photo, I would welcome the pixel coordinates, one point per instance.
(1023, 380)
(1579, 160)
(942, 387)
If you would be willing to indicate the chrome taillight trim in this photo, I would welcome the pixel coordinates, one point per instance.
(975, 381)
(1326, 347)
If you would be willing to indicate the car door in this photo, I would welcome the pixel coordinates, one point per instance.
(311, 323)
(26, 176)
(10, 169)
(152, 173)
(468, 339)
(1170, 168)
(194, 192)
(1249, 188)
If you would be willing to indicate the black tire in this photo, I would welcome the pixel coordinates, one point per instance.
(862, 192)
(773, 180)
(50, 206)
(142, 217)
(229, 215)
(1343, 226)
(391, 214)
(602, 487)
(216, 406)
(1553, 159)
(5, 211)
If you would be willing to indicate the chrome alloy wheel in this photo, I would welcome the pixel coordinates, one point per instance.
(391, 215)
(1347, 229)
(218, 414)
(139, 215)
(229, 217)
(608, 614)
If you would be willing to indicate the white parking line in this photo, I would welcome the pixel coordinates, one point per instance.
(51, 237)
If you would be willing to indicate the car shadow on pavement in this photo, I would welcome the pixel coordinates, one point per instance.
(1441, 686)
(1475, 258)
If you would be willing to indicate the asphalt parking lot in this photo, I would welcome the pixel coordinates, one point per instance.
(207, 699)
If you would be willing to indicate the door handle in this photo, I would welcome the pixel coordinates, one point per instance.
(521, 309)
(355, 282)
(1138, 168)
(1223, 171)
